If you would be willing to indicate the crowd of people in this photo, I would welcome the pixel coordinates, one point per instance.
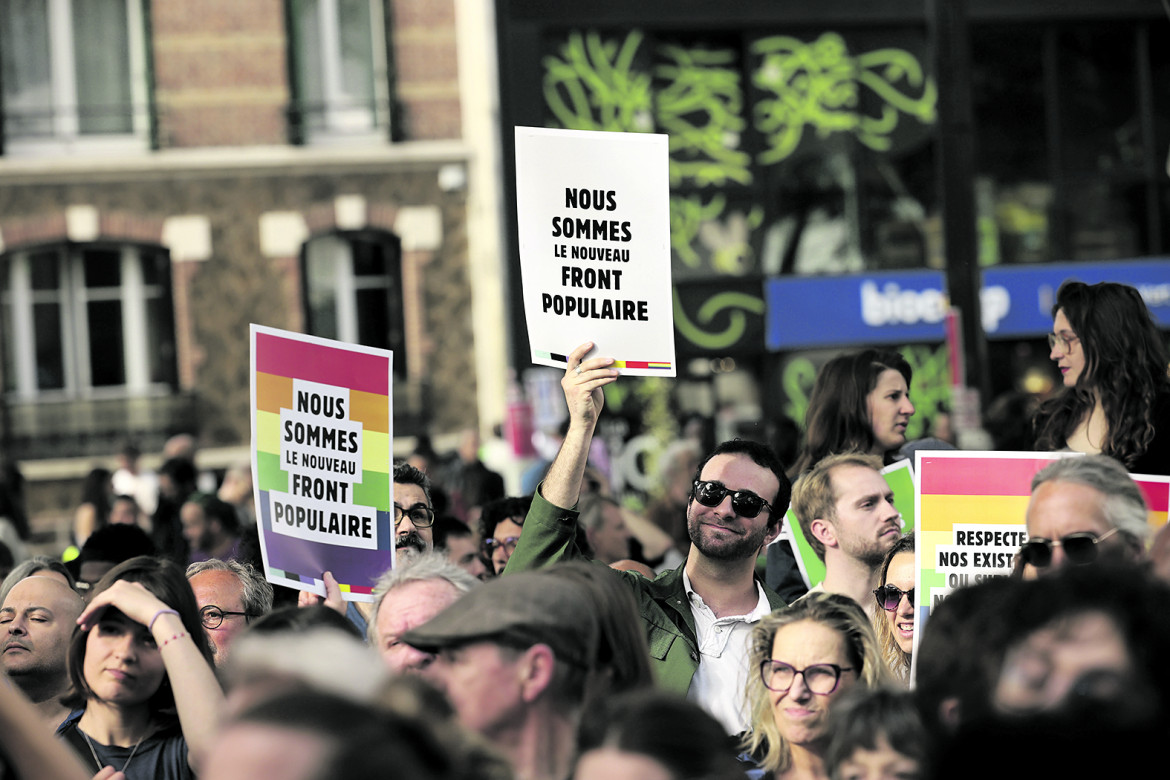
(563, 635)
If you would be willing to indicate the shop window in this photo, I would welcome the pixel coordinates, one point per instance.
(74, 75)
(339, 67)
(353, 290)
(86, 321)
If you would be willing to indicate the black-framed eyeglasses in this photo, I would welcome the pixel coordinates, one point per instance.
(1080, 548)
(821, 679)
(1065, 342)
(421, 515)
(489, 546)
(212, 616)
(744, 503)
(890, 596)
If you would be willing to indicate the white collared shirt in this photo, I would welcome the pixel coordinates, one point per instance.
(719, 686)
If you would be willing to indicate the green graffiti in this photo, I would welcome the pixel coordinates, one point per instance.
(932, 386)
(687, 215)
(701, 108)
(819, 85)
(738, 306)
(696, 224)
(930, 391)
(797, 380)
(594, 85)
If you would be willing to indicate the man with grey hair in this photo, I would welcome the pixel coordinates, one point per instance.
(418, 588)
(229, 595)
(1083, 508)
(605, 528)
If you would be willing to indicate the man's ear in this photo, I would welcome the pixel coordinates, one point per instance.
(535, 671)
(772, 532)
(824, 531)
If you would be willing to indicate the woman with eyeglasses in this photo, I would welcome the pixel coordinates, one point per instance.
(803, 658)
(1113, 360)
(141, 672)
(894, 624)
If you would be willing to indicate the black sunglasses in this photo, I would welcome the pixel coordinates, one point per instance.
(890, 596)
(745, 503)
(1080, 548)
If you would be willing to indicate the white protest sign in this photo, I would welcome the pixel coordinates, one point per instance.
(594, 228)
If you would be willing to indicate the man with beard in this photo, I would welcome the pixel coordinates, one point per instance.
(846, 511)
(414, 514)
(699, 616)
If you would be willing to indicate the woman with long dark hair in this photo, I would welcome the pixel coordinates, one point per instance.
(860, 403)
(1113, 360)
(141, 672)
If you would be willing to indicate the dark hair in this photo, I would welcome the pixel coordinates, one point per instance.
(663, 726)
(763, 456)
(217, 509)
(167, 582)
(495, 512)
(409, 475)
(1125, 366)
(837, 419)
(116, 543)
(181, 471)
(96, 490)
(862, 717)
(447, 527)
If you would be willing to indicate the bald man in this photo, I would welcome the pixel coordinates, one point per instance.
(36, 621)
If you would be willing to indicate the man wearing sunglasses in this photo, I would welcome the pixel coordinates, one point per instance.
(1083, 508)
(699, 616)
(846, 511)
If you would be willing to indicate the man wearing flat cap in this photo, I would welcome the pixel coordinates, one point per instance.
(513, 657)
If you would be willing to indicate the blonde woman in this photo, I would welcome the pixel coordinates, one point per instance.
(803, 658)
(894, 622)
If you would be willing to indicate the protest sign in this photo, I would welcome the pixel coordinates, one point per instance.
(594, 229)
(321, 461)
(898, 476)
(971, 508)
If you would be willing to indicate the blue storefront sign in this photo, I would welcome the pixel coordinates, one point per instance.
(907, 307)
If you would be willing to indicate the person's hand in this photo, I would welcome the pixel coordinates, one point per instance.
(109, 773)
(132, 599)
(333, 598)
(583, 383)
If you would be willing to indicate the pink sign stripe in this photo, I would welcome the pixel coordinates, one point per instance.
(980, 476)
(317, 363)
(1157, 495)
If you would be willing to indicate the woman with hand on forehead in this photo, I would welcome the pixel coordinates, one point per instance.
(140, 666)
(1113, 365)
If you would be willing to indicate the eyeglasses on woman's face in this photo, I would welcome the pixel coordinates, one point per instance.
(821, 679)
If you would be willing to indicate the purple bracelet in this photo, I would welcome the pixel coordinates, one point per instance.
(160, 612)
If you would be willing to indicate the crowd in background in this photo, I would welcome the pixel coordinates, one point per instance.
(570, 632)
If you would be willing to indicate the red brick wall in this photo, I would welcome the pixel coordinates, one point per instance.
(221, 74)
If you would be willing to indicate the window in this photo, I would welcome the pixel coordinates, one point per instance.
(353, 290)
(339, 51)
(73, 71)
(86, 321)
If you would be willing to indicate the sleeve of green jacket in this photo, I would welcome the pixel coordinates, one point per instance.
(548, 537)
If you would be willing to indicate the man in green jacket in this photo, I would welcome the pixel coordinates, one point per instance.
(698, 617)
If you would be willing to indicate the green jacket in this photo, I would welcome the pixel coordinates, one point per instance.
(549, 536)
